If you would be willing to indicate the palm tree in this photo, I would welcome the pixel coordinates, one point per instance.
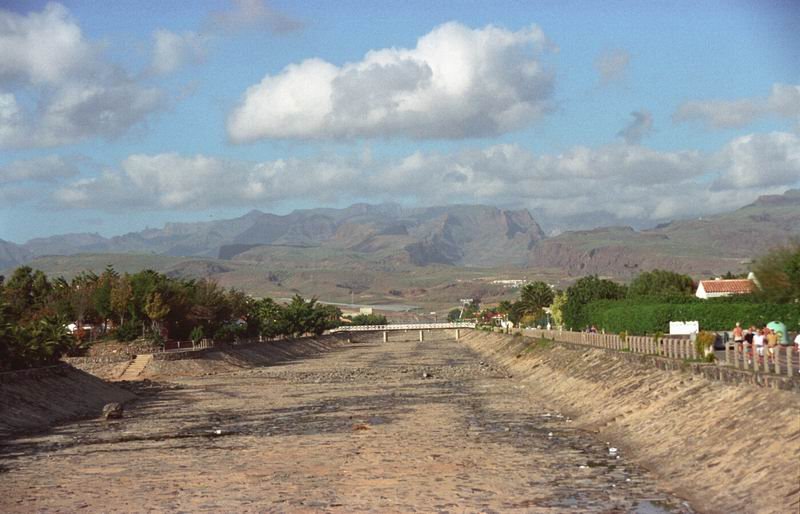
(535, 296)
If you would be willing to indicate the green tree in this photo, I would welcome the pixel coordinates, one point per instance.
(156, 309)
(557, 308)
(584, 291)
(660, 283)
(82, 292)
(454, 315)
(121, 296)
(197, 334)
(778, 274)
(26, 291)
(101, 295)
(269, 317)
(8, 342)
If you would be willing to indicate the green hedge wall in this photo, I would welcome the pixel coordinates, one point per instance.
(639, 318)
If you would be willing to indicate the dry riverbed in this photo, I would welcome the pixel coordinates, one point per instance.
(371, 427)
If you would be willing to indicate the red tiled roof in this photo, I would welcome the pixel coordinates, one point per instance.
(728, 286)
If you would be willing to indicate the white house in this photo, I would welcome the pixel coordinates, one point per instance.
(724, 287)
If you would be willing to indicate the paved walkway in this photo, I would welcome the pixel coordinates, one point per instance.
(398, 427)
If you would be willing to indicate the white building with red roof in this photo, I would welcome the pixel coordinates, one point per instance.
(724, 287)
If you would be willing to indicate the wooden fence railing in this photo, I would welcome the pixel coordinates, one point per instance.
(778, 360)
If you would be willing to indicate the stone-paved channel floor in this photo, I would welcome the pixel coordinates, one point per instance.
(368, 427)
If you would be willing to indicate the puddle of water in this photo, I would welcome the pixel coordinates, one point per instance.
(652, 507)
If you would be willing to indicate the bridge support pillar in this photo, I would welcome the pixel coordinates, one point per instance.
(458, 334)
(385, 336)
(421, 336)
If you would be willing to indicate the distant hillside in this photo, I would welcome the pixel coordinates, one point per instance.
(699, 247)
(372, 239)
(455, 235)
(12, 255)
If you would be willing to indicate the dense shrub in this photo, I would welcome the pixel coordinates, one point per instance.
(369, 319)
(642, 317)
(128, 331)
(704, 345)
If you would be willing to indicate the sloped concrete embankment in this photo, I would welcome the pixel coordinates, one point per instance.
(726, 448)
(228, 359)
(33, 400)
(107, 368)
(209, 361)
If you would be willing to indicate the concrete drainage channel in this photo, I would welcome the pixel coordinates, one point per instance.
(402, 426)
(397, 427)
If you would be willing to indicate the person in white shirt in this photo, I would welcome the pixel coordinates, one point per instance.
(758, 341)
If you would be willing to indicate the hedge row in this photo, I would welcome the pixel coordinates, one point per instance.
(647, 318)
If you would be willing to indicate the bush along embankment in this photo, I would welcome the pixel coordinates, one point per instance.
(42, 320)
(649, 316)
(654, 298)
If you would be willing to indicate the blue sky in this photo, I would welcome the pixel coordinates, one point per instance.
(119, 115)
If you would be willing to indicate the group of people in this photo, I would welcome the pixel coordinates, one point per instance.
(746, 339)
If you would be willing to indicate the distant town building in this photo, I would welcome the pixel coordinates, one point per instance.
(724, 287)
(510, 283)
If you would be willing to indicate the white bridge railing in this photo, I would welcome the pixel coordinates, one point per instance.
(404, 326)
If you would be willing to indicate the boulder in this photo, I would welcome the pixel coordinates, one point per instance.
(112, 411)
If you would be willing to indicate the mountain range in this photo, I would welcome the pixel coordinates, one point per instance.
(391, 237)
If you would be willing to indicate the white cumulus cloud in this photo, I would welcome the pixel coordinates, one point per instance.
(457, 82)
(49, 169)
(76, 92)
(640, 126)
(253, 14)
(172, 50)
(612, 65)
(760, 160)
(584, 186)
(782, 102)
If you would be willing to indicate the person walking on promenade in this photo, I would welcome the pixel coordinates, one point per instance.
(772, 342)
(758, 344)
(738, 337)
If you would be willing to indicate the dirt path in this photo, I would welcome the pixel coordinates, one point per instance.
(397, 427)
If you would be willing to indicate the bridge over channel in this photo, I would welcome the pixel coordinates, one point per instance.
(405, 327)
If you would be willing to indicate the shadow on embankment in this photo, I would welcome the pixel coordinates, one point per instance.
(35, 400)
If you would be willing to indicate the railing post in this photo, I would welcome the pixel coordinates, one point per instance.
(727, 355)
(789, 363)
(385, 336)
(754, 356)
(765, 349)
(458, 334)
(421, 338)
(777, 358)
